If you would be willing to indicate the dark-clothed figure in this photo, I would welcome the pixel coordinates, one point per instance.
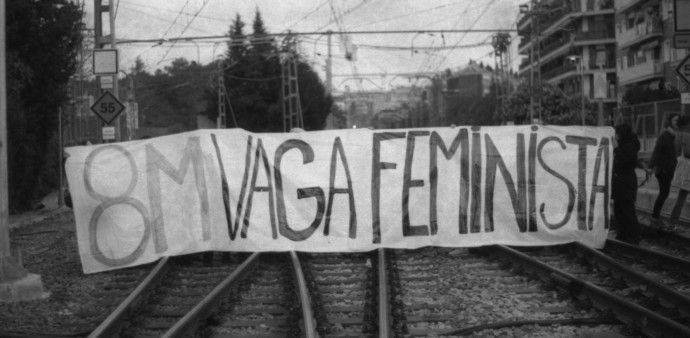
(663, 164)
(624, 184)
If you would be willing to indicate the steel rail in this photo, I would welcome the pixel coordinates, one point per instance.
(304, 297)
(112, 324)
(384, 297)
(667, 261)
(212, 301)
(665, 235)
(663, 292)
(647, 321)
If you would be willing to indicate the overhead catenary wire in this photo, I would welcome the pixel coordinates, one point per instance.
(427, 59)
(325, 2)
(226, 38)
(472, 25)
(127, 7)
(186, 27)
(367, 50)
(131, 5)
(412, 14)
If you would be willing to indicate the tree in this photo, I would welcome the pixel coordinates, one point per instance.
(172, 97)
(556, 107)
(467, 108)
(43, 38)
(253, 80)
(642, 94)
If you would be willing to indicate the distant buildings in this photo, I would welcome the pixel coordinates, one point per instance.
(646, 57)
(571, 44)
(620, 45)
(395, 108)
(420, 106)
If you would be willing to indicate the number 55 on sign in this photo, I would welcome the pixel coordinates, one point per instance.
(107, 107)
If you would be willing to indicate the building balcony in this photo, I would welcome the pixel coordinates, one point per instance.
(559, 13)
(554, 44)
(568, 70)
(558, 71)
(595, 35)
(623, 6)
(599, 5)
(640, 72)
(525, 63)
(639, 33)
(524, 42)
(524, 21)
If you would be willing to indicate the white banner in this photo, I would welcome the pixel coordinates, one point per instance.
(339, 190)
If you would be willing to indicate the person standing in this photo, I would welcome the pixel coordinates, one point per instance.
(663, 164)
(624, 184)
(681, 178)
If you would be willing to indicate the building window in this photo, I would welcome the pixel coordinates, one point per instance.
(630, 58)
(601, 58)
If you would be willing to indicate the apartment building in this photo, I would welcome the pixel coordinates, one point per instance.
(646, 57)
(571, 44)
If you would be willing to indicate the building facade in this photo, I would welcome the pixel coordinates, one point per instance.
(647, 58)
(571, 44)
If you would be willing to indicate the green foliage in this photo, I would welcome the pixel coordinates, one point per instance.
(253, 80)
(555, 106)
(643, 94)
(170, 98)
(466, 108)
(43, 38)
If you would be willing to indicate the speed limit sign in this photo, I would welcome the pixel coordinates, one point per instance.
(107, 107)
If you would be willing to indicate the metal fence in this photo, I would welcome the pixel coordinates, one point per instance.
(648, 120)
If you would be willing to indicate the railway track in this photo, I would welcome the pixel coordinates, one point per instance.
(565, 290)
(344, 291)
(171, 290)
(651, 307)
(464, 292)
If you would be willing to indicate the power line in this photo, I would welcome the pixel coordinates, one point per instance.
(159, 9)
(411, 14)
(427, 60)
(338, 19)
(473, 23)
(186, 27)
(176, 17)
(225, 37)
(308, 14)
(147, 14)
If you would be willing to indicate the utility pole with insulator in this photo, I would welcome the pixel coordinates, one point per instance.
(221, 119)
(103, 41)
(292, 108)
(501, 43)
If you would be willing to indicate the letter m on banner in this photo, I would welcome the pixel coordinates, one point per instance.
(157, 163)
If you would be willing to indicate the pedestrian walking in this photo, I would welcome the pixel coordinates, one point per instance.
(624, 184)
(663, 164)
(681, 177)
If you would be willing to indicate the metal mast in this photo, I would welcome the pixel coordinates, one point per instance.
(292, 108)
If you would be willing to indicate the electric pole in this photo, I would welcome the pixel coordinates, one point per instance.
(221, 120)
(292, 108)
(101, 42)
(329, 65)
(501, 42)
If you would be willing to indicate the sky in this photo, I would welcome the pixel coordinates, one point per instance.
(382, 60)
